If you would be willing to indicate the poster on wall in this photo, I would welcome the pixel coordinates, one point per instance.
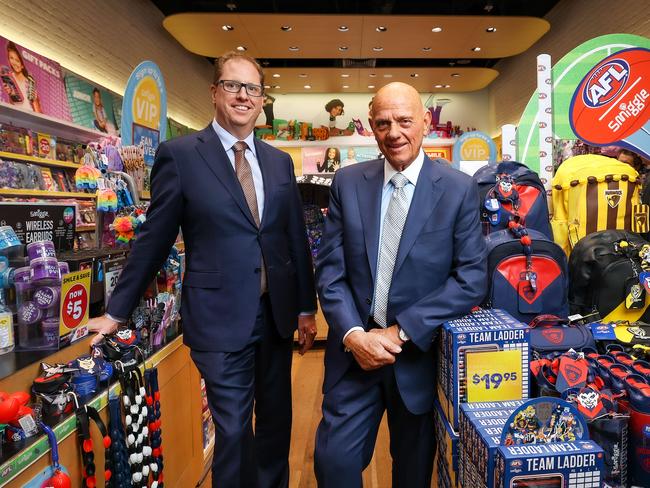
(329, 159)
(90, 105)
(473, 150)
(144, 109)
(32, 82)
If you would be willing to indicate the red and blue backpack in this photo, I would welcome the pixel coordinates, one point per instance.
(527, 274)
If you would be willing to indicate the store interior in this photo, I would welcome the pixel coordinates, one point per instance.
(78, 133)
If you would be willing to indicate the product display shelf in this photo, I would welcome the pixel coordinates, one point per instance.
(23, 459)
(12, 192)
(85, 228)
(44, 123)
(355, 140)
(41, 161)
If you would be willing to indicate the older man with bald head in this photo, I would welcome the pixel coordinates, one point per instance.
(402, 252)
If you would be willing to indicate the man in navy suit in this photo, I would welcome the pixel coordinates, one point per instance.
(402, 252)
(248, 281)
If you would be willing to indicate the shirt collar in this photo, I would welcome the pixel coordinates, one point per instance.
(228, 140)
(411, 172)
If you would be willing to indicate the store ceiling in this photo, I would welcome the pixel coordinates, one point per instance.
(311, 44)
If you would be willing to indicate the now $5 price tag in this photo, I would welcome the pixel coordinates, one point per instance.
(75, 300)
(493, 376)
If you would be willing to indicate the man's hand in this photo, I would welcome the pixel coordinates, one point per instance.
(391, 333)
(306, 332)
(103, 326)
(371, 351)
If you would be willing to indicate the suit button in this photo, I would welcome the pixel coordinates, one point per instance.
(368, 301)
(258, 270)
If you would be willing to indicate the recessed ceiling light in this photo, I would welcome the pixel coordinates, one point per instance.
(241, 48)
(381, 28)
(426, 49)
(343, 48)
(447, 86)
(344, 28)
(414, 75)
(437, 86)
(388, 75)
(491, 29)
(293, 48)
(276, 86)
(371, 86)
(378, 49)
(276, 75)
(346, 86)
(463, 61)
(286, 28)
(455, 75)
(267, 86)
(372, 75)
(476, 49)
(302, 75)
(345, 75)
(227, 27)
(308, 87)
(436, 29)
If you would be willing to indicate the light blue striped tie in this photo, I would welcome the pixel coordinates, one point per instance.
(391, 235)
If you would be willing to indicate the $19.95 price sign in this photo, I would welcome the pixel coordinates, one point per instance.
(75, 300)
(493, 376)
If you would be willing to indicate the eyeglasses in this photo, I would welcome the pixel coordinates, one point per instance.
(234, 87)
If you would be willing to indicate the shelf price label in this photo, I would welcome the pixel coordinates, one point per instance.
(75, 300)
(493, 376)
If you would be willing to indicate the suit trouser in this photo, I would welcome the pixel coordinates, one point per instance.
(345, 440)
(259, 375)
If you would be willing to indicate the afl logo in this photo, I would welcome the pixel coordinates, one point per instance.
(605, 82)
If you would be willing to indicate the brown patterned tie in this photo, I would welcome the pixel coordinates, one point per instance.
(245, 177)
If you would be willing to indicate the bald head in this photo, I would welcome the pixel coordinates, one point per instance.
(399, 122)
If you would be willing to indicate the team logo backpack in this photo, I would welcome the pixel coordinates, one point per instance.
(608, 271)
(527, 274)
(511, 191)
(592, 193)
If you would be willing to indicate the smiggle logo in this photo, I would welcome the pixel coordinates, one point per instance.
(605, 83)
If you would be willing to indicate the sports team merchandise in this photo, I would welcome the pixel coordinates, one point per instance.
(481, 332)
(509, 191)
(608, 274)
(527, 274)
(592, 193)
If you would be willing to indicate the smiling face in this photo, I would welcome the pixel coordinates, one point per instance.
(15, 61)
(331, 153)
(237, 112)
(399, 122)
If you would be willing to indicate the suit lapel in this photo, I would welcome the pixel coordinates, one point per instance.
(425, 198)
(265, 162)
(369, 197)
(211, 150)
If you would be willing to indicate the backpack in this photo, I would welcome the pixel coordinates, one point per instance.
(526, 292)
(592, 193)
(510, 191)
(605, 272)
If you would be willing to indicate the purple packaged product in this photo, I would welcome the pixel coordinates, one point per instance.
(50, 328)
(44, 269)
(41, 249)
(22, 275)
(29, 313)
(46, 296)
(63, 268)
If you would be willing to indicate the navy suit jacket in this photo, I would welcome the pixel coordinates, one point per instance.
(194, 187)
(440, 270)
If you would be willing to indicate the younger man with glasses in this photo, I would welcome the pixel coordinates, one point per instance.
(248, 282)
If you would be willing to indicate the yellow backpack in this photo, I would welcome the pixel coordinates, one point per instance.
(591, 193)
